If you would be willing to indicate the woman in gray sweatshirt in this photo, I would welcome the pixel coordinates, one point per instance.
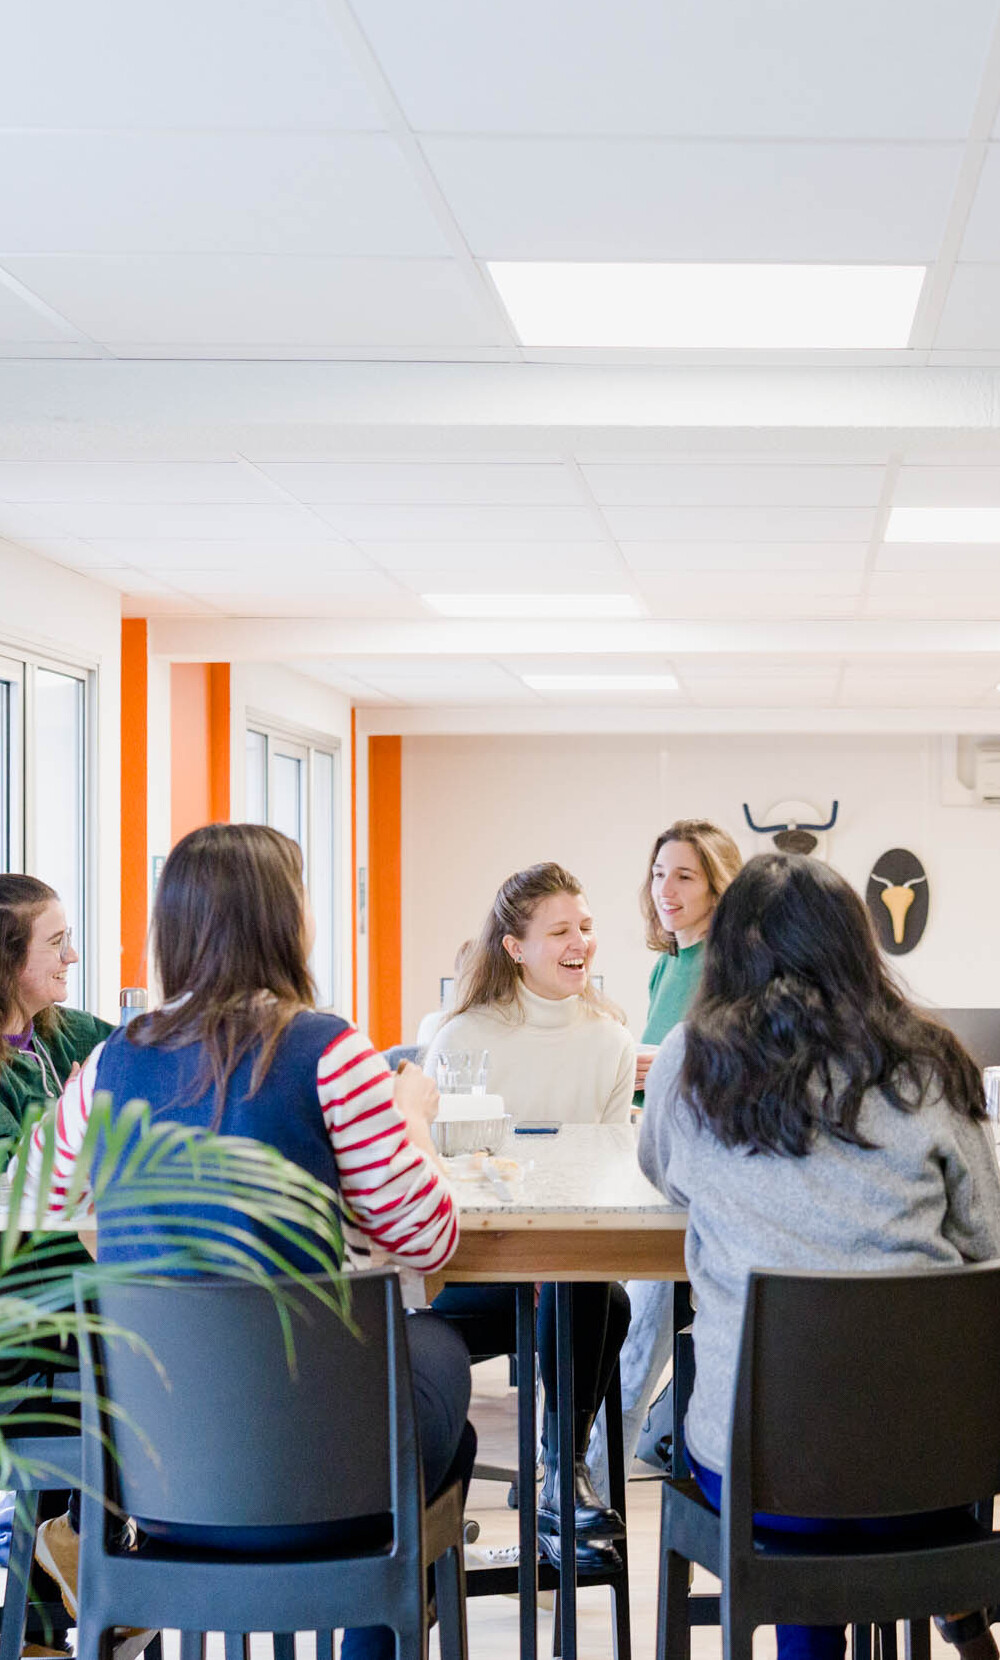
(810, 1118)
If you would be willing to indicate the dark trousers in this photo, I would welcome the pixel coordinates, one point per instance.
(486, 1317)
(817, 1642)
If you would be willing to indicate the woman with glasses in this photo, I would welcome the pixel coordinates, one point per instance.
(41, 1044)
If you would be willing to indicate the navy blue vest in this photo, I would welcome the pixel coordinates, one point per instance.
(284, 1112)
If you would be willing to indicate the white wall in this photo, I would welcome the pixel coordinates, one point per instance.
(475, 809)
(56, 613)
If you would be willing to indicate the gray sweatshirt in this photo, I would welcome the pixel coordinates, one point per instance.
(926, 1196)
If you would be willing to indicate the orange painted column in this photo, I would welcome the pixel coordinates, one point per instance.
(134, 765)
(385, 993)
(199, 746)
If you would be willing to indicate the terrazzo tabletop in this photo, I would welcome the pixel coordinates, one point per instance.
(586, 1173)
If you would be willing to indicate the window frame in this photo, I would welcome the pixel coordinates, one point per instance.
(25, 766)
(303, 744)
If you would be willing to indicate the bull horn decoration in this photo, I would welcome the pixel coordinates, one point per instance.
(794, 836)
(897, 899)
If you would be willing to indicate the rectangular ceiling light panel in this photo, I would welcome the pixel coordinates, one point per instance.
(565, 304)
(601, 682)
(534, 605)
(943, 524)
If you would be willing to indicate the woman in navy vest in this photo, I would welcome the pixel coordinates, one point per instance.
(237, 1047)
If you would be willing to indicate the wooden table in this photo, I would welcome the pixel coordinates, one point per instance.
(580, 1209)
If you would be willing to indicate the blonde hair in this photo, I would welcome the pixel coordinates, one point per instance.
(490, 976)
(719, 857)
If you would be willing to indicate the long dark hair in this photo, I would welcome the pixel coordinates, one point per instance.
(21, 900)
(490, 977)
(720, 859)
(797, 1017)
(230, 951)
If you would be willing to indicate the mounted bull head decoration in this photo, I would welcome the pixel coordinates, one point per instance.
(897, 898)
(793, 836)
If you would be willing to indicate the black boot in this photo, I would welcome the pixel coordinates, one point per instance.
(594, 1520)
(970, 1634)
(593, 1556)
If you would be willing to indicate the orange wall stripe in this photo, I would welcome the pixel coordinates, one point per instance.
(190, 777)
(354, 864)
(385, 996)
(134, 764)
(219, 742)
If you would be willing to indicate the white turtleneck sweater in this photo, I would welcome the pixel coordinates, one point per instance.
(549, 1058)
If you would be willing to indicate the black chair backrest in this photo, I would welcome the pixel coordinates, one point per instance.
(869, 1394)
(220, 1431)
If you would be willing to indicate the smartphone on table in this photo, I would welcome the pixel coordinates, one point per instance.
(537, 1126)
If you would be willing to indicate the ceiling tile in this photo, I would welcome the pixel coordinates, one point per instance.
(967, 561)
(907, 692)
(421, 522)
(235, 63)
(131, 481)
(210, 521)
(621, 199)
(208, 193)
(901, 69)
(21, 324)
(937, 595)
(788, 692)
(680, 484)
(947, 486)
(668, 557)
(971, 317)
(740, 524)
(424, 481)
(982, 228)
(447, 565)
(297, 558)
(262, 300)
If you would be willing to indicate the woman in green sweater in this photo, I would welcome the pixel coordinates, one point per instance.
(41, 1045)
(690, 867)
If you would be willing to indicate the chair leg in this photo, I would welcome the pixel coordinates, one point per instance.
(887, 1642)
(324, 1645)
(917, 1641)
(737, 1634)
(192, 1645)
(284, 1645)
(556, 1627)
(22, 1550)
(238, 1646)
(449, 1588)
(861, 1642)
(673, 1624)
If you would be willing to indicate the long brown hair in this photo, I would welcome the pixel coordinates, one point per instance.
(229, 946)
(21, 900)
(490, 977)
(720, 859)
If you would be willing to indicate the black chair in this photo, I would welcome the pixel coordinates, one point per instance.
(220, 1433)
(55, 1461)
(861, 1397)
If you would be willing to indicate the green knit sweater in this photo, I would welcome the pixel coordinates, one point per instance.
(672, 986)
(39, 1073)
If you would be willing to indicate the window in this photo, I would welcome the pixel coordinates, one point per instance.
(46, 715)
(292, 785)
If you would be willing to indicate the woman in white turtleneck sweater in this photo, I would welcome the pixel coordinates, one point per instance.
(556, 1052)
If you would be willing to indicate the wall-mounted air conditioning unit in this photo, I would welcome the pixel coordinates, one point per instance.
(987, 775)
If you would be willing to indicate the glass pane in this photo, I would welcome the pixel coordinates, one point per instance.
(59, 768)
(256, 779)
(287, 779)
(321, 868)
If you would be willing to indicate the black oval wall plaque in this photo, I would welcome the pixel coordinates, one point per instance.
(897, 900)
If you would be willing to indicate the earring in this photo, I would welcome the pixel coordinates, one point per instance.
(519, 959)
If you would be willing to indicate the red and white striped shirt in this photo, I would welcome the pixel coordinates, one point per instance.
(397, 1203)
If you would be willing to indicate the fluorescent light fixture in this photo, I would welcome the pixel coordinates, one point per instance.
(533, 605)
(726, 306)
(601, 682)
(943, 524)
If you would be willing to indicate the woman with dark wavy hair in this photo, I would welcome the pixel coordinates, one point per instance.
(810, 1118)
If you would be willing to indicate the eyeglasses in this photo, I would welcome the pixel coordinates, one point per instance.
(64, 945)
